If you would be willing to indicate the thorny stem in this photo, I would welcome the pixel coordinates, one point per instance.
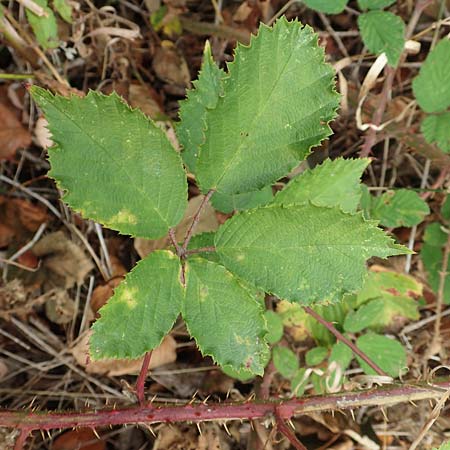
(140, 383)
(195, 220)
(287, 432)
(152, 413)
(340, 337)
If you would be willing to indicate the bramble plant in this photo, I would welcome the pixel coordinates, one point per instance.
(241, 131)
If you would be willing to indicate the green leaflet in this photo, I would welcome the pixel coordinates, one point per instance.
(285, 361)
(333, 183)
(383, 32)
(316, 355)
(432, 86)
(387, 284)
(64, 9)
(379, 313)
(402, 207)
(302, 252)
(375, 4)
(45, 28)
(115, 165)
(444, 446)
(387, 353)
(142, 310)
(238, 202)
(436, 129)
(226, 321)
(207, 88)
(276, 103)
(327, 6)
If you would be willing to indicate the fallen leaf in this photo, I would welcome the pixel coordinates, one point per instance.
(7, 234)
(64, 262)
(31, 215)
(103, 293)
(208, 222)
(144, 98)
(79, 439)
(13, 135)
(3, 368)
(170, 65)
(164, 354)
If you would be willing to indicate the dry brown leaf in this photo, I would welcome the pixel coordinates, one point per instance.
(208, 222)
(164, 354)
(103, 293)
(79, 439)
(13, 135)
(142, 97)
(30, 215)
(170, 65)
(63, 260)
(7, 234)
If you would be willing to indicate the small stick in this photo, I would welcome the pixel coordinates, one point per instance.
(140, 383)
(196, 219)
(340, 337)
(287, 432)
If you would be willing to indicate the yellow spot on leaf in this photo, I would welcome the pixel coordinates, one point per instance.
(123, 217)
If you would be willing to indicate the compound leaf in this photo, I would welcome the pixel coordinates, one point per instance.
(383, 32)
(436, 129)
(115, 165)
(142, 310)
(207, 88)
(403, 207)
(333, 183)
(327, 6)
(387, 353)
(432, 86)
(375, 4)
(304, 253)
(277, 101)
(226, 321)
(45, 28)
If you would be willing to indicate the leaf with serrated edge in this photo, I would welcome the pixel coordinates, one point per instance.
(383, 32)
(114, 164)
(333, 183)
(327, 6)
(403, 207)
(436, 129)
(387, 353)
(304, 253)
(432, 86)
(207, 88)
(277, 101)
(225, 320)
(142, 310)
